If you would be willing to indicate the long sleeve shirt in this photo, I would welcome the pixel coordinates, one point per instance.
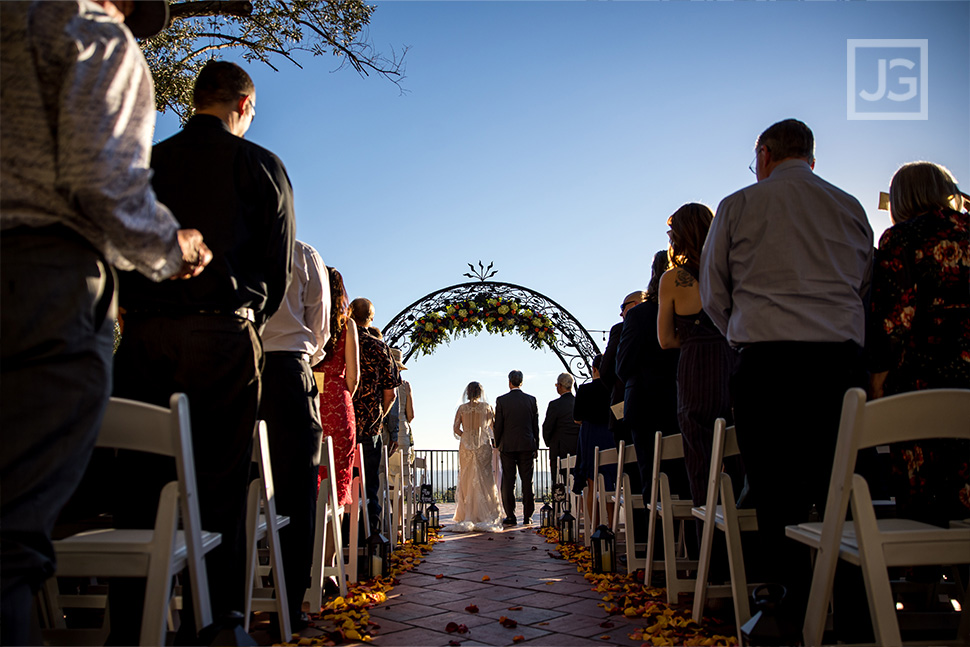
(78, 112)
(302, 324)
(239, 196)
(788, 259)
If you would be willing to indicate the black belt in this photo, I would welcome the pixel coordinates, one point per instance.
(242, 313)
(290, 353)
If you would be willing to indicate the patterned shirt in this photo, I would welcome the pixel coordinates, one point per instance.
(920, 326)
(78, 113)
(377, 373)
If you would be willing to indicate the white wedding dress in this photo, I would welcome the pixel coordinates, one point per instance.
(478, 501)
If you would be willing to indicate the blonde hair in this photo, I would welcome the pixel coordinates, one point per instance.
(919, 187)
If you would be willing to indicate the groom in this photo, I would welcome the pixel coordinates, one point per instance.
(517, 438)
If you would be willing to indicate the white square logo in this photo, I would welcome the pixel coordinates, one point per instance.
(887, 78)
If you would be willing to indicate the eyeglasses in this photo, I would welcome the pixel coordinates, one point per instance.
(753, 166)
(625, 304)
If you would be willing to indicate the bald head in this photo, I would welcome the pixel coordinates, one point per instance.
(631, 301)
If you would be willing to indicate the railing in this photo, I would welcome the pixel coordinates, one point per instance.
(443, 474)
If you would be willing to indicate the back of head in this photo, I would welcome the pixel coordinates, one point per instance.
(688, 231)
(789, 138)
(597, 361)
(339, 308)
(362, 311)
(220, 82)
(565, 381)
(473, 392)
(919, 187)
(660, 264)
(515, 378)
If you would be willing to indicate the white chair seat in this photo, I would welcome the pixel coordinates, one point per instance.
(118, 551)
(939, 543)
(747, 517)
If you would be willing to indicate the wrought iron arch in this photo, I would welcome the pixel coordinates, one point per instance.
(573, 346)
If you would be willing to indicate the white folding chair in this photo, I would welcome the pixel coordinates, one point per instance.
(358, 510)
(873, 544)
(262, 523)
(627, 501)
(576, 501)
(672, 512)
(599, 510)
(159, 553)
(729, 519)
(326, 563)
(396, 490)
(384, 492)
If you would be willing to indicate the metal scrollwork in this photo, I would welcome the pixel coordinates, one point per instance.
(573, 346)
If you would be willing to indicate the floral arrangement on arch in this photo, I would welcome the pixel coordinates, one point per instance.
(471, 316)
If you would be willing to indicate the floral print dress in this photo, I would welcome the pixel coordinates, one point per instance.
(919, 332)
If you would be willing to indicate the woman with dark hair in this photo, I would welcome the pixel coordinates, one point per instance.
(706, 361)
(919, 331)
(341, 370)
(478, 503)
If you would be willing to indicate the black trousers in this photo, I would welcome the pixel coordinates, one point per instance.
(787, 405)
(56, 324)
(523, 462)
(372, 472)
(216, 361)
(291, 408)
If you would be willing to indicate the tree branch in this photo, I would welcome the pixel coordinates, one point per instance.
(197, 8)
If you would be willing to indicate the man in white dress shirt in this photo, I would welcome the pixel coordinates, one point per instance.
(293, 340)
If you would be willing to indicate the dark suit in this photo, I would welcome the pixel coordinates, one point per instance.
(517, 438)
(559, 430)
(614, 383)
(650, 377)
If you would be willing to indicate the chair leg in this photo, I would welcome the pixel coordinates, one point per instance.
(882, 609)
(732, 537)
(252, 521)
(703, 566)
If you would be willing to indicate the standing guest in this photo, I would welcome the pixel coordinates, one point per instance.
(341, 375)
(379, 378)
(591, 411)
(397, 423)
(560, 431)
(650, 375)
(920, 333)
(517, 438)
(608, 368)
(76, 120)
(783, 273)
(706, 361)
(293, 338)
(201, 337)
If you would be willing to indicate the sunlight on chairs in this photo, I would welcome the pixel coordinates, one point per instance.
(328, 559)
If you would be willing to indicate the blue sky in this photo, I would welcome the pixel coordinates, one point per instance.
(555, 138)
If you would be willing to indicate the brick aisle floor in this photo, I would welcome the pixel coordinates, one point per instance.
(558, 607)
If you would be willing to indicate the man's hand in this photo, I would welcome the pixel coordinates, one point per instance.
(195, 254)
(392, 447)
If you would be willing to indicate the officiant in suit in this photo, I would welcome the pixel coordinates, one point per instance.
(516, 430)
(559, 430)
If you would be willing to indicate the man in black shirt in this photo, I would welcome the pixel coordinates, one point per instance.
(203, 339)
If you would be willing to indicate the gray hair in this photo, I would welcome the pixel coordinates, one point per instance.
(919, 187)
(565, 380)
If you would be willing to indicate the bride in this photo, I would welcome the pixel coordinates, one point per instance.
(478, 503)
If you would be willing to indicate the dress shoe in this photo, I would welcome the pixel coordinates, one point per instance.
(527, 521)
(508, 521)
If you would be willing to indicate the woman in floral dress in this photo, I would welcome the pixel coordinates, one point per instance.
(919, 331)
(341, 370)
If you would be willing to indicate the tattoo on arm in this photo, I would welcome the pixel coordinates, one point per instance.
(683, 279)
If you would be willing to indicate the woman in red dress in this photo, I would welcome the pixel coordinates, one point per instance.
(341, 370)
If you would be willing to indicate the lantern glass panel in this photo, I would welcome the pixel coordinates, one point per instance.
(419, 528)
(603, 545)
(378, 551)
(545, 516)
(567, 528)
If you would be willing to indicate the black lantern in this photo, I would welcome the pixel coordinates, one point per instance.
(567, 528)
(378, 550)
(603, 545)
(433, 516)
(419, 528)
(545, 515)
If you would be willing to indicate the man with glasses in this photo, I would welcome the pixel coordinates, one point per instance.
(202, 337)
(783, 275)
(608, 374)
